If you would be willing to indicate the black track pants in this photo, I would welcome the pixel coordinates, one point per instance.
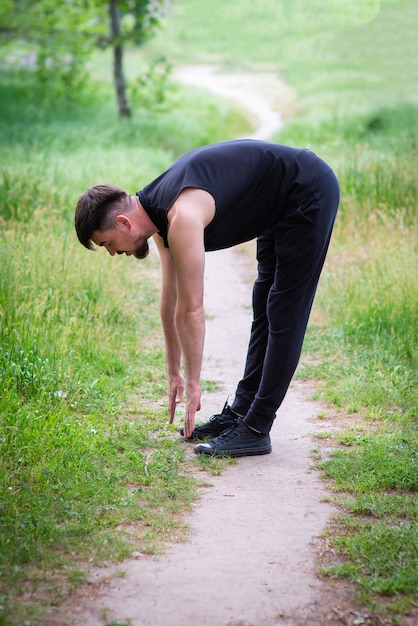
(290, 259)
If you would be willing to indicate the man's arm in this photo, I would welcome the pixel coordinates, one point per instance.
(191, 213)
(172, 343)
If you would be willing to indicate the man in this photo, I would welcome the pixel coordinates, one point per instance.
(211, 198)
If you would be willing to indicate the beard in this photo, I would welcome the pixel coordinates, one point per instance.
(142, 248)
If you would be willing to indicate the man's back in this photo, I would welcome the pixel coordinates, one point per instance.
(250, 181)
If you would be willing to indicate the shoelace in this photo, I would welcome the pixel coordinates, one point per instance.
(218, 417)
(231, 433)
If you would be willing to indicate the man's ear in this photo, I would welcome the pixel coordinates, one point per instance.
(122, 222)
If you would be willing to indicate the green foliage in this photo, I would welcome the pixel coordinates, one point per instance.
(369, 295)
(366, 353)
(76, 460)
(57, 43)
(391, 567)
(338, 56)
(139, 18)
(86, 21)
(60, 37)
(58, 140)
(151, 89)
(270, 28)
(381, 463)
(86, 468)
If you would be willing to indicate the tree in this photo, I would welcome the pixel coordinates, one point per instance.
(118, 74)
(130, 21)
(63, 34)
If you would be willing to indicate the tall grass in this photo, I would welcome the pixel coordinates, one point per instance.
(81, 357)
(271, 29)
(363, 347)
(338, 56)
(74, 463)
(369, 296)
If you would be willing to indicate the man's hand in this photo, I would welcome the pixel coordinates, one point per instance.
(175, 395)
(192, 406)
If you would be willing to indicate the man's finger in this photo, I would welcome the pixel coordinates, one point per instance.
(189, 423)
(172, 404)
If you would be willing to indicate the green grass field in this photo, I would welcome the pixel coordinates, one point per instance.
(86, 454)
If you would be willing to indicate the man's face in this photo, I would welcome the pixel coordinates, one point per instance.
(122, 241)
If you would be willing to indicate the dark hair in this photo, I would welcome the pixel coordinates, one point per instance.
(96, 209)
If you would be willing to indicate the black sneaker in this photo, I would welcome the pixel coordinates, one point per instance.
(239, 440)
(214, 426)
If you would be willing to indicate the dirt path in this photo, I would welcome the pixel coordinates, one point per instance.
(263, 95)
(249, 559)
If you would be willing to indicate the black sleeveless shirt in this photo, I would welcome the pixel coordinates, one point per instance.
(251, 182)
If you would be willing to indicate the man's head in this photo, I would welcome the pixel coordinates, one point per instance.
(105, 215)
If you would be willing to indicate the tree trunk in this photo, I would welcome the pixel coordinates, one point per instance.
(119, 78)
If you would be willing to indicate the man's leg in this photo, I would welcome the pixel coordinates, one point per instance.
(302, 239)
(248, 386)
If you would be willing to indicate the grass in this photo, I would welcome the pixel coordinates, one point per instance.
(89, 469)
(362, 349)
(338, 56)
(270, 29)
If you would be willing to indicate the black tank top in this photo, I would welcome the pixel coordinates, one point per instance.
(251, 182)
